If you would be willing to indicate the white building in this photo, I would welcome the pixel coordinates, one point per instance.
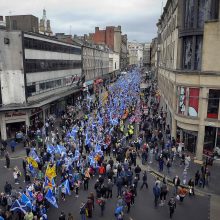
(114, 63)
(38, 76)
(135, 53)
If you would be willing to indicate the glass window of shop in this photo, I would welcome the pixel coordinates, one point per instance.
(188, 101)
(211, 140)
(213, 103)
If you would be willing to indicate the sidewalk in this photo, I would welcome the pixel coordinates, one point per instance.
(213, 187)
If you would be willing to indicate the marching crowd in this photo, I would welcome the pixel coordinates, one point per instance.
(106, 144)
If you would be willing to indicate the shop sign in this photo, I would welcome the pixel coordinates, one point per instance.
(14, 114)
(36, 110)
(67, 81)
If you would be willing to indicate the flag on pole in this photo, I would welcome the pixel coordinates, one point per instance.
(25, 200)
(18, 206)
(67, 187)
(51, 198)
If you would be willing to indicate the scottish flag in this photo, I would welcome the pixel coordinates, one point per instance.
(67, 187)
(18, 206)
(25, 200)
(30, 194)
(51, 198)
(50, 149)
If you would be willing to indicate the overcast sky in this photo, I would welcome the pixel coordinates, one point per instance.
(138, 18)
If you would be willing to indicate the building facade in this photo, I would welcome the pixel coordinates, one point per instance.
(135, 53)
(154, 56)
(115, 41)
(39, 76)
(189, 72)
(27, 23)
(146, 55)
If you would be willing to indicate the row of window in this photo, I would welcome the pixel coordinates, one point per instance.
(31, 43)
(202, 9)
(188, 102)
(32, 65)
(39, 87)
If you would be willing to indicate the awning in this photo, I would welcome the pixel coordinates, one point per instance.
(98, 81)
(90, 82)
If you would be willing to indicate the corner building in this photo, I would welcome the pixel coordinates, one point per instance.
(189, 72)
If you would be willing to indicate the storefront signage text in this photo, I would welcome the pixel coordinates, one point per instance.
(14, 114)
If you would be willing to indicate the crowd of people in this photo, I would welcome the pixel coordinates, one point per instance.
(106, 143)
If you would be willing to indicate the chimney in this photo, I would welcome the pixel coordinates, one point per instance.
(96, 29)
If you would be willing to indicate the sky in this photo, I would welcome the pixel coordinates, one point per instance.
(137, 18)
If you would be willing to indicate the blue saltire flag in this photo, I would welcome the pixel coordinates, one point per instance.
(74, 132)
(51, 198)
(29, 194)
(18, 206)
(50, 149)
(87, 140)
(34, 155)
(67, 187)
(60, 149)
(25, 200)
(97, 148)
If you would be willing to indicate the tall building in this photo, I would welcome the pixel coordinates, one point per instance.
(27, 23)
(189, 72)
(154, 56)
(38, 77)
(44, 26)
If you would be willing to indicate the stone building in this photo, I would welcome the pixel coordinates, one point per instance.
(146, 55)
(135, 53)
(113, 38)
(27, 23)
(189, 72)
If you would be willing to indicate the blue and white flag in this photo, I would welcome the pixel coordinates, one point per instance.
(67, 187)
(34, 155)
(18, 206)
(50, 149)
(30, 194)
(25, 200)
(51, 198)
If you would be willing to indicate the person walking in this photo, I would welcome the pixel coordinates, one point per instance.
(7, 160)
(127, 199)
(156, 191)
(176, 183)
(101, 203)
(144, 179)
(172, 206)
(164, 191)
(182, 193)
(82, 211)
(109, 188)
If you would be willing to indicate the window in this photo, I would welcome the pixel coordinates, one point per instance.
(198, 53)
(14, 25)
(201, 13)
(32, 65)
(189, 14)
(31, 43)
(213, 103)
(187, 52)
(31, 89)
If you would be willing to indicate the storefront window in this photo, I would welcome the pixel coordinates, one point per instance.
(209, 141)
(193, 102)
(182, 100)
(213, 103)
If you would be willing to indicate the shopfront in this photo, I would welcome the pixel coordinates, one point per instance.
(36, 118)
(12, 122)
(211, 140)
(189, 138)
